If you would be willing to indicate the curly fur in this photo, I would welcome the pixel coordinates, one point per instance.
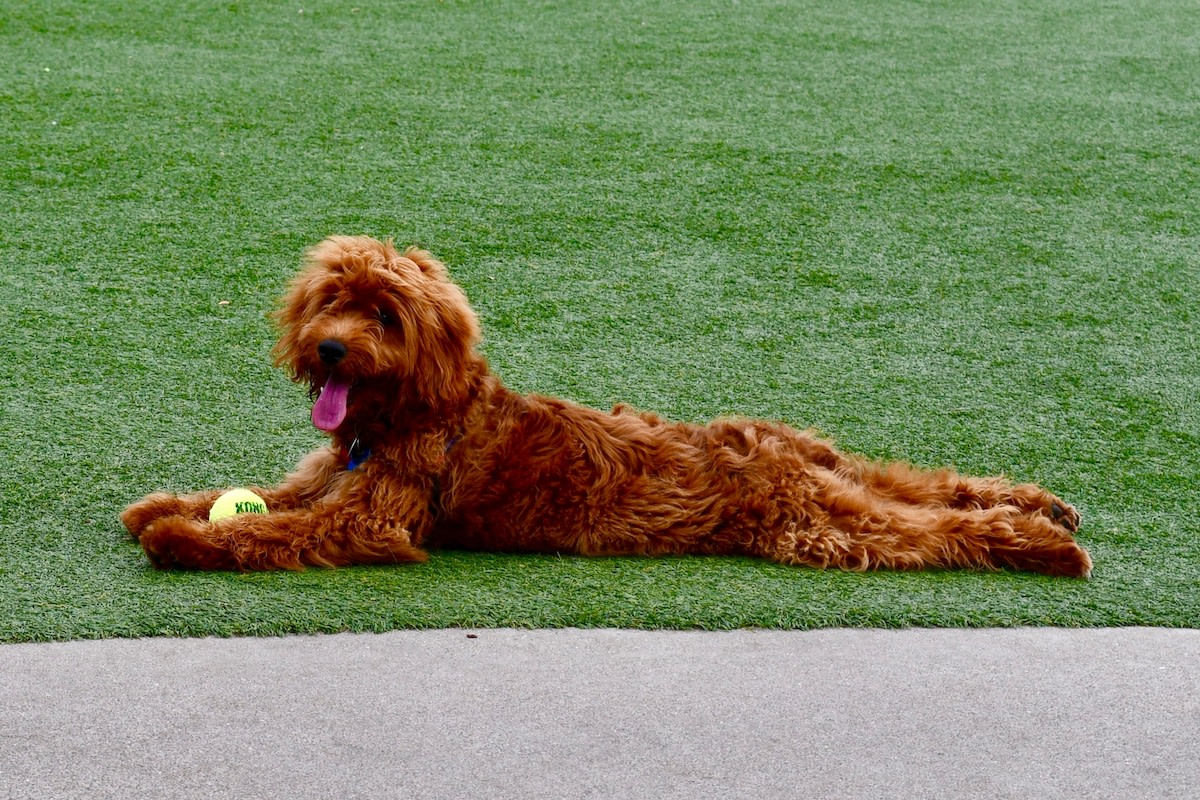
(456, 459)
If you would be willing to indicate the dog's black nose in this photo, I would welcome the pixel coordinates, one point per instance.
(331, 351)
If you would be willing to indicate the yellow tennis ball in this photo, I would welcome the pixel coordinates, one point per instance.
(237, 501)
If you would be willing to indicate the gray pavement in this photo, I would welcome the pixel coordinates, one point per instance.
(608, 714)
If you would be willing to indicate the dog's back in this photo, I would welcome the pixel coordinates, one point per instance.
(546, 475)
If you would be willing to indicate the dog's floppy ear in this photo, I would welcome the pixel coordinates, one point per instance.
(446, 338)
(298, 303)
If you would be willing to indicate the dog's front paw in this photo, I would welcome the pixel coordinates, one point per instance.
(178, 542)
(139, 515)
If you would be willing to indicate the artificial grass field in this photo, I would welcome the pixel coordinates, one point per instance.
(957, 233)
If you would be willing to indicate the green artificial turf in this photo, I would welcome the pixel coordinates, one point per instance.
(958, 233)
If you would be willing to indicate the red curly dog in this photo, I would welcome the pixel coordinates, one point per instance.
(430, 449)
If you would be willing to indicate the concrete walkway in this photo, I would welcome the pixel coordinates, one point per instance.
(608, 714)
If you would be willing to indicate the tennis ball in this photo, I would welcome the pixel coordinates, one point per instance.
(237, 501)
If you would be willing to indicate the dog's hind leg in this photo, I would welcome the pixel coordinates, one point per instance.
(847, 527)
(902, 482)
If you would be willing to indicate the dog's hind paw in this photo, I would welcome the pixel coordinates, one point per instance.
(1033, 499)
(1065, 514)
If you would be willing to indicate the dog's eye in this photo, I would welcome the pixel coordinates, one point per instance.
(385, 318)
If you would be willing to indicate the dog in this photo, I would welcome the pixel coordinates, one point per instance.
(430, 450)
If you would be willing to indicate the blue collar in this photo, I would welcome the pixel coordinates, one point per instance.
(359, 452)
(356, 455)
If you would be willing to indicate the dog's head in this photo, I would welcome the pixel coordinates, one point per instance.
(365, 325)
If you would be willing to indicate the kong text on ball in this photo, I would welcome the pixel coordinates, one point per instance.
(237, 501)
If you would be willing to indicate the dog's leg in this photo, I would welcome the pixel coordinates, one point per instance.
(305, 485)
(333, 537)
(159, 505)
(848, 526)
(308, 482)
(1033, 499)
(894, 480)
(908, 484)
(1039, 545)
(357, 521)
(915, 538)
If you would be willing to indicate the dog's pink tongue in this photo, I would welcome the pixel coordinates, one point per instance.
(330, 409)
